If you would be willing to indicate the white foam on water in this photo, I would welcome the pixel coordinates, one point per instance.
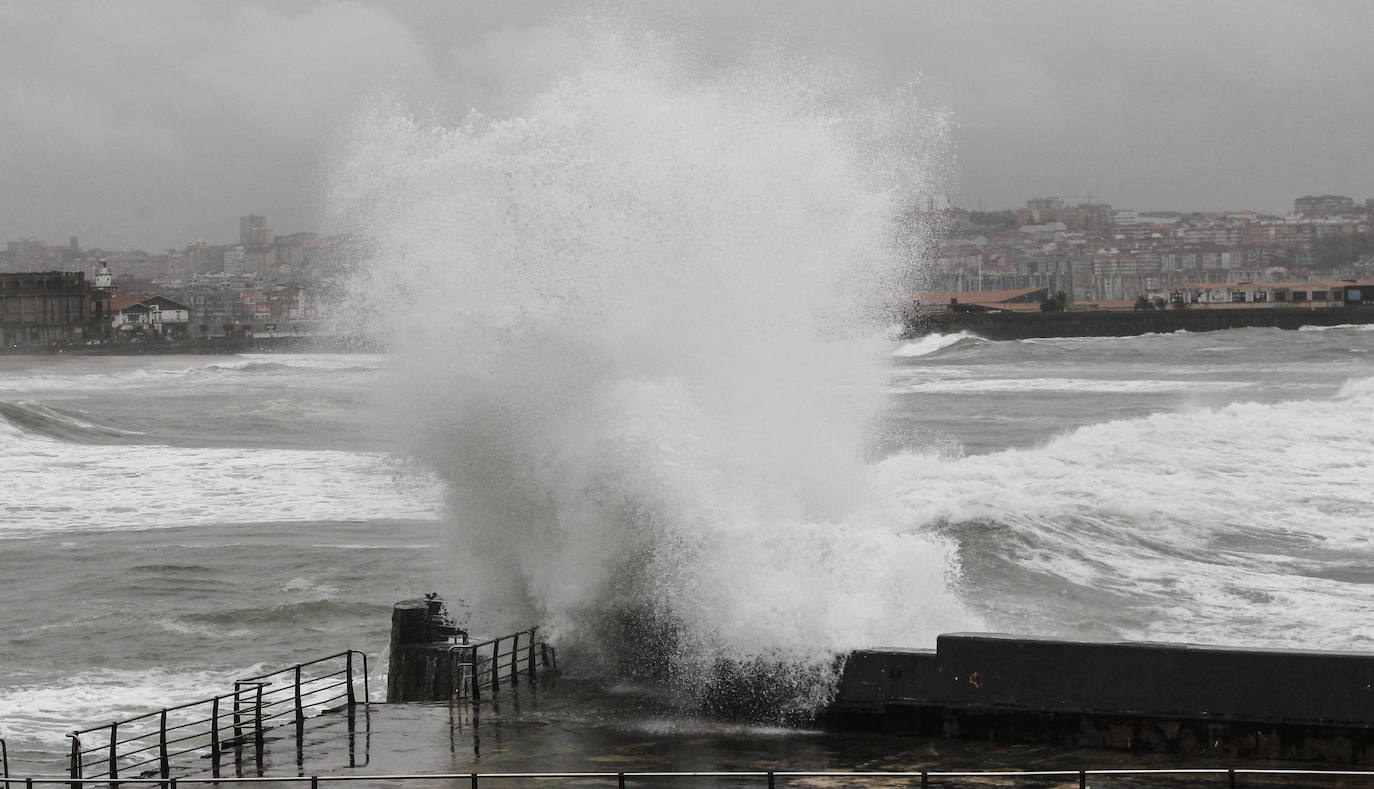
(1339, 327)
(1244, 524)
(181, 371)
(606, 312)
(55, 486)
(42, 715)
(932, 343)
(1068, 385)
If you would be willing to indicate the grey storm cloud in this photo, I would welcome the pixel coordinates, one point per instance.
(148, 124)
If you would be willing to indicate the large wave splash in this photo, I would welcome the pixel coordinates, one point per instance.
(624, 327)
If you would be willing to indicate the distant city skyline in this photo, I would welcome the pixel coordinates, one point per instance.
(149, 125)
(253, 230)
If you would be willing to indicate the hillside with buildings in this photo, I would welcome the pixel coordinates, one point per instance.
(1097, 257)
(263, 286)
(1111, 257)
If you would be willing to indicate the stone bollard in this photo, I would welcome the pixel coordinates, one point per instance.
(424, 667)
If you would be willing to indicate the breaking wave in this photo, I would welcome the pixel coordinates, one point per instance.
(606, 315)
(1243, 524)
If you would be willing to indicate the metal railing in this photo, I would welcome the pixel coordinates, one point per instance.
(4, 759)
(764, 778)
(146, 745)
(502, 660)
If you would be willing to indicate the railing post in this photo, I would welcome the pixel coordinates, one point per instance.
(114, 751)
(514, 658)
(300, 712)
(349, 669)
(473, 679)
(75, 766)
(529, 659)
(214, 737)
(474, 781)
(367, 695)
(1231, 777)
(164, 765)
(238, 718)
(925, 779)
(1082, 779)
(620, 780)
(495, 664)
(257, 726)
(770, 779)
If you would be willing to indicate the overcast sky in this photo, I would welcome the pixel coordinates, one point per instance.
(150, 124)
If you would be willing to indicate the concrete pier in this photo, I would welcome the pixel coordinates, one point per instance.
(1120, 323)
(1180, 698)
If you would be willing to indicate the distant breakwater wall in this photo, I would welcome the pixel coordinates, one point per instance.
(202, 346)
(1124, 323)
(1176, 698)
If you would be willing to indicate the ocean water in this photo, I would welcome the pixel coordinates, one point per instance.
(171, 523)
(641, 389)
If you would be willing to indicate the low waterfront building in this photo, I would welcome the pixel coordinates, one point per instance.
(52, 308)
(140, 316)
(1313, 295)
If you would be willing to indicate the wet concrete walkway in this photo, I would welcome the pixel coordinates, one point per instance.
(577, 727)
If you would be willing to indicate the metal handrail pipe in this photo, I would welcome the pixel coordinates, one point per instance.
(145, 716)
(491, 641)
(284, 693)
(322, 702)
(338, 673)
(314, 779)
(291, 713)
(329, 680)
(293, 668)
(136, 751)
(205, 736)
(306, 694)
(310, 691)
(313, 700)
(134, 738)
(1278, 771)
(157, 713)
(126, 754)
(140, 764)
(308, 688)
(271, 708)
(189, 724)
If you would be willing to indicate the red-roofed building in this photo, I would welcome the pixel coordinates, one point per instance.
(143, 315)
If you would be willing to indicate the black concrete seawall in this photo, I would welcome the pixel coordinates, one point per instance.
(1122, 323)
(1180, 698)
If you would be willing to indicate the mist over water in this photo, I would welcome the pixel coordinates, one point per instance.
(628, 328)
